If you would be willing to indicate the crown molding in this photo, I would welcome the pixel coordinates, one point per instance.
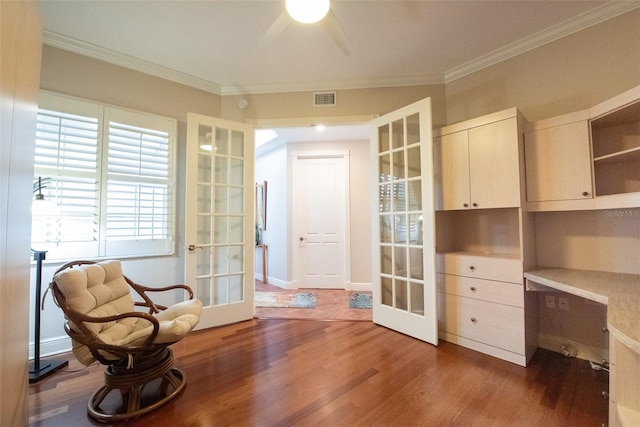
(107, 55)
(434, 79)
(568, 27)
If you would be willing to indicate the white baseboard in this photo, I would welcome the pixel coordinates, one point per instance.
(363, 287)
(51, 346)
(582, 351)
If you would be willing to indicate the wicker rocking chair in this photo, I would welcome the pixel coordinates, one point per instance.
(133, 345)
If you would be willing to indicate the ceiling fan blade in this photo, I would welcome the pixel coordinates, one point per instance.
(331, 24)
(276, 29)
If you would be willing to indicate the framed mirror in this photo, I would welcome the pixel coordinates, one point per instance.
(261, 205)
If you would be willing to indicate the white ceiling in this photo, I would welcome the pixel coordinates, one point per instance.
(220, 46)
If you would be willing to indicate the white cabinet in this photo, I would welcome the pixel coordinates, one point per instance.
(586, 160)
(624, 387)
(558, 158)
(476, 163)
(484, 239)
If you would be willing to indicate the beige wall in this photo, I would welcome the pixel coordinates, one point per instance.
(351, 102)
(570, 74)
(88, 78)
(21, 35)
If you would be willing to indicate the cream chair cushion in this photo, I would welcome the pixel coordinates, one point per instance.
(100, 290)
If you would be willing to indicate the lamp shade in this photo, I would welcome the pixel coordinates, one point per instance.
(307, 11)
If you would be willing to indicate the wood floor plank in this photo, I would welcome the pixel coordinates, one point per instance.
(313, 373)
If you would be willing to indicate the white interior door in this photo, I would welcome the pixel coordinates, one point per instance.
(220, 218)
(320, 184)
(404, 279)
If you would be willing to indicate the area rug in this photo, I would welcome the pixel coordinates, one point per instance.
(360, 300)
(286, 299)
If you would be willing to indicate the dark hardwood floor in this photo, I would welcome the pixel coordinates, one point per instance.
(304, 372)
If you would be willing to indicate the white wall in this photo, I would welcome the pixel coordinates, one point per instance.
(271, 166)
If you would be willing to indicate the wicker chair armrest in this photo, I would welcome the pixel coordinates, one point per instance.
(79, 317)
(166, 288)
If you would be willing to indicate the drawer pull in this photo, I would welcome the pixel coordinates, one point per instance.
(473, 320)
(473, 288)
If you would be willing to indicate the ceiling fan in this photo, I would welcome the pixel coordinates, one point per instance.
(309, 12)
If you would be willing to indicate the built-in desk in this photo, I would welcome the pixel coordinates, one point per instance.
(621, 294)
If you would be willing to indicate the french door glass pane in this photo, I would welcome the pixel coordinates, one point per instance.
(397, 139)
(398, 165)
(413, 162)
(220, 290)
(386, 263)
(236, 288)
(400, 215)
(417, 298)
(203, 290)
(413, 129)
(386, 291)
(401, 295)
(220, 234)
(222, 142)
(383, 139)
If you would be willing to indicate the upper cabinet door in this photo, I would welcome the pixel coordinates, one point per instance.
(494, 166)
(558, 162)
(451, 170)
(477, 163)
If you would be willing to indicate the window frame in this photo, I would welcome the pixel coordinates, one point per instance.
(103, 246)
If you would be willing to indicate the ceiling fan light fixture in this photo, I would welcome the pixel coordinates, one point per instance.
(307, 11)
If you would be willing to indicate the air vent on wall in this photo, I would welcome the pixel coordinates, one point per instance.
(324, 99)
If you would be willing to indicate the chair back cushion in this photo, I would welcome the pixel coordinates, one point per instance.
(97, 290)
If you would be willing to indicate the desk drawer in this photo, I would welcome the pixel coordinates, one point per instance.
(481, 267)
(486, 290)
(494, 324)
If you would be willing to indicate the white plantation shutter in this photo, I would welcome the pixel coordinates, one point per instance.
(109, 173)
(138, 203)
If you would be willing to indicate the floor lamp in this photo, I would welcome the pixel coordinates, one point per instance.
(40, 368)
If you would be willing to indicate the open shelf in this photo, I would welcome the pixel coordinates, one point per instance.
(615, 138)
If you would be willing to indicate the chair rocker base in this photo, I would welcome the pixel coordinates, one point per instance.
(138, 395)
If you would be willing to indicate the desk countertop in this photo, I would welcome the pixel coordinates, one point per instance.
(620, 292)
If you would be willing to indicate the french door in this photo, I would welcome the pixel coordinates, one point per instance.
(219, 235)
(404, 279)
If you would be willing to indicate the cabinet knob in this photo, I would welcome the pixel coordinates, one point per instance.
(466, 205)
(585, 193)
(605, 394)
(475, 205)
(473, 319)
(473, 288)
(471, 267)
